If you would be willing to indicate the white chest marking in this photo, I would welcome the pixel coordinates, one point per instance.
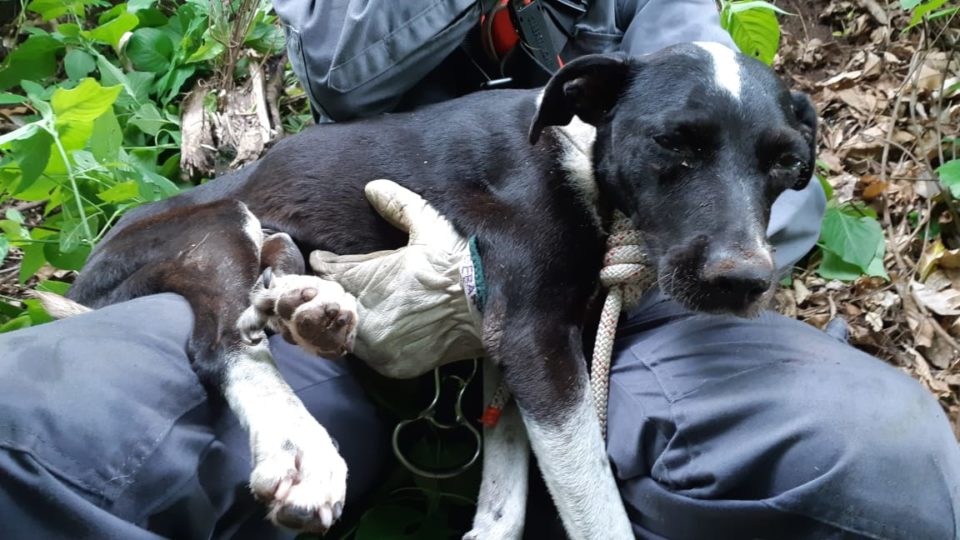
(726, 70)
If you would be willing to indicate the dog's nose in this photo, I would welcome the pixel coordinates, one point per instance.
(747, 276)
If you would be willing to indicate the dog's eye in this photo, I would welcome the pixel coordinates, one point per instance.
(679, 143)
(789, 161)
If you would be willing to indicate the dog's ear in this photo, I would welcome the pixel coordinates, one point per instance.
(587, 87)
(806, 114)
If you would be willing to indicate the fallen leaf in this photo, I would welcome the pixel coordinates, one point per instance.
(941, 302)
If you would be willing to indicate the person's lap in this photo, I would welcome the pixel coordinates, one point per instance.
(769, 428)
(717, 427)
(105, 431)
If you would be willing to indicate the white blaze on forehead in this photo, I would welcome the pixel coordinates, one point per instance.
(726, 69)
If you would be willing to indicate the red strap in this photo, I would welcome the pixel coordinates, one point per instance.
(491, 416)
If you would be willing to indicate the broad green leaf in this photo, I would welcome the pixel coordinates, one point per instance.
(950, 176)
(13, 230)
(7, 98)
(209, 50)
(54, 286)
(922, 10)
(853, 239)
(134, 6)
(14, 215)
(111, 32)
(78, 64)
(85, 160)
(909, 4)
(110, 14)
(107, 137)
(76, 110)
(174, 81)
(51, 9)
(148, 119)
(150, 50)
(20, 322)
(23, 132)
(34, 60)
(4, 247)
(755, 31)
(33, 257)
(67, 260)
(32, 154)
(111, 75)
(121, 192)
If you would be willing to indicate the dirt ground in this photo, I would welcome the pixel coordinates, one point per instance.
(879, 92)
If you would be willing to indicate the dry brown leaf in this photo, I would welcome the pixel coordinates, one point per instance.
(922, 369)
(940, 301)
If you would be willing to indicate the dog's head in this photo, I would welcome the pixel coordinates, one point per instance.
(694, 143)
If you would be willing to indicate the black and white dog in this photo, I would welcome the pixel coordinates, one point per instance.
(694, 143)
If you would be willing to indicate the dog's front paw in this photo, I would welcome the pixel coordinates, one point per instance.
(302, 479)
(314, 313)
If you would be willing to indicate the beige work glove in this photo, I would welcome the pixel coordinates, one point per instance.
(412, 310)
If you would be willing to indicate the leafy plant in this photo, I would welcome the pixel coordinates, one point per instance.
(927, 10)
(754, 27)
(101, 129)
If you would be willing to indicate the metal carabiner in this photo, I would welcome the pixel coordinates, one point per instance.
(428, 415)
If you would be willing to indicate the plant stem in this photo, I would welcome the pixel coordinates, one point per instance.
(73, 183)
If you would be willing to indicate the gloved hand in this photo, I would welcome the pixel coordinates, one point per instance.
(413, 313)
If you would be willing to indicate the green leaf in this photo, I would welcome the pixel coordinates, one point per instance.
(23, 132)
(909, 4)
(20, 322)
(922, 10)
(136, 5)
(32, 154)
(170, 85)
(122, 192)
(111, 32)
(51, 9)
(150, 50)
(34, 60)
(33, 257)
(209, 50)
(56, 287)
(78, 64)
(950, 176)
(148, 119)
(856, 240)
(14, 215)
(755, 31)
(107, 137)
(76, 110)
(4, 248)
(7, 98)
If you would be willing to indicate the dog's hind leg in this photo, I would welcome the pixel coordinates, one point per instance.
(502, 503)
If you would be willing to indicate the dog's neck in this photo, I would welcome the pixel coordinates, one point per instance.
(576, 159)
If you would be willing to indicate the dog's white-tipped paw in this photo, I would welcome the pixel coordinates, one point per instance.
(303, 480)
(313, 313)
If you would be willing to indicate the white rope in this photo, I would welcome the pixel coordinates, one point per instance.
(626, 276)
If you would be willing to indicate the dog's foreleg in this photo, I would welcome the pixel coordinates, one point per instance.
(573, 460)
(544, 368)
(502, 503)
(297, 470)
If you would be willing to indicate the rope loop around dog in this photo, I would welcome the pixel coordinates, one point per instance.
(626, 275)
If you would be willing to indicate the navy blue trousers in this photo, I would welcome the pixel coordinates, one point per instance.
(719, 428)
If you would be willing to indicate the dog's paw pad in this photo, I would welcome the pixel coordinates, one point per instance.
(314, 313)
(303, 485)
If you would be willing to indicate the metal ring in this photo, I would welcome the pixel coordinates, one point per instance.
(427, 415)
